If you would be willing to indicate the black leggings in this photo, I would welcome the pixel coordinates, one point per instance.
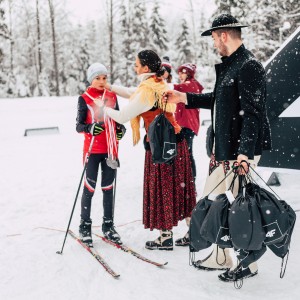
(189, 136)
(90, 179)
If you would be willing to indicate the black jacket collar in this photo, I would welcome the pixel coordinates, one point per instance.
(228, 59)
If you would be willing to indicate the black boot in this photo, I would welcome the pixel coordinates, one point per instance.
(163, 242)
(185, 241)
(239, 273)
(85, 232)
(110, 232)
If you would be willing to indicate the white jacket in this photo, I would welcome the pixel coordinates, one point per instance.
(134, 108)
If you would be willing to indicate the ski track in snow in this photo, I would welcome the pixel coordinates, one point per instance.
(39, 179)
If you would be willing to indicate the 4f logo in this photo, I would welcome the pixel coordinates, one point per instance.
(271, 233)
(171, 151)
(225, 238)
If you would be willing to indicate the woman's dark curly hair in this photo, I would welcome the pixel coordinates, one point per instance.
(151, 59)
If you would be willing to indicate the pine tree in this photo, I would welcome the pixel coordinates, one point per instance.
(184, 45)
(77, 59)
(124, 71)
(207, 57)
(54, 47)
(289, 12)
(138, 34)
(3, 26)
(158, 31)
(4, 35)
(138, 19)
(268, 29)
(237, 8)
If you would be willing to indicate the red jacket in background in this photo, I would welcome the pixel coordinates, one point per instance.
(188, 118)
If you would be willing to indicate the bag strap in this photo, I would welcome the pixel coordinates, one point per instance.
(221, 181)
(263, 182)
(284, 264)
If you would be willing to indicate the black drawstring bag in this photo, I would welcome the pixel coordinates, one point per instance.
(197, 242)
(245, 224)
(278, 219)
(281, 248)
(275, 217)
(215, 225)
(162, 139)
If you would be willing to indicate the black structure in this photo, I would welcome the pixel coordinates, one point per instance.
(283, 88)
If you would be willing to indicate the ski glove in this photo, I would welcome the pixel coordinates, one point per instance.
(120, 132)
(96, 128)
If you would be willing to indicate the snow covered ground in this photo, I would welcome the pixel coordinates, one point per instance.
(39, 179)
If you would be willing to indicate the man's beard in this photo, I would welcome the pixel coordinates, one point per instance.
(223, 50)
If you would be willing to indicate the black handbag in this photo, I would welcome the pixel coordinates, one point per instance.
(275, 217)
(281, 248)
(278, 220)
(245, 223)
(197, 242)
(162, 139)
(215, 225)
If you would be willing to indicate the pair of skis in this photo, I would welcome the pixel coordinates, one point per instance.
(100, 259)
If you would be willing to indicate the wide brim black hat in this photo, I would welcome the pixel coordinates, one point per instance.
(223, 21)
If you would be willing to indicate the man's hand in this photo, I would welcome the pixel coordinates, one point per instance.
(243, 165)
(174, 97)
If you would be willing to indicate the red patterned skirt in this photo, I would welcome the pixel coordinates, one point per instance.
(169, 190)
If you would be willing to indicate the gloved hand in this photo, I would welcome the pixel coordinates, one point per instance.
(120, 131)
(96, 128)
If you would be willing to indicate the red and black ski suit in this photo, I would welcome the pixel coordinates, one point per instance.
(88, 113)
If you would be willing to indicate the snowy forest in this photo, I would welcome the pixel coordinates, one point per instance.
(44, 52)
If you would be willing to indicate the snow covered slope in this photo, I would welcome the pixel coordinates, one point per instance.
(39, 178)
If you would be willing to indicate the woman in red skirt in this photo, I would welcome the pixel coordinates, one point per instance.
(169, 193)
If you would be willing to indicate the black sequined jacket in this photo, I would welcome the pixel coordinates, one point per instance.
(238, 107)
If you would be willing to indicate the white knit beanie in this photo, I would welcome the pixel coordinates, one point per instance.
(95, 70)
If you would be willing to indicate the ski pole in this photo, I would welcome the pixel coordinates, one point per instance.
(84, 169)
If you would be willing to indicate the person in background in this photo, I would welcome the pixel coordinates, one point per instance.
(189, 120)
(167, 76)
(90, 122)
(240, 127)
(169, 192)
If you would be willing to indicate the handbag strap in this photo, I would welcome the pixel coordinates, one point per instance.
(263, 182)
(222, 181)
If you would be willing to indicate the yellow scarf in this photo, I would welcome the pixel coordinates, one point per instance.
(150, 91)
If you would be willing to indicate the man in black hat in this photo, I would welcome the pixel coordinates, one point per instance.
(240, 128)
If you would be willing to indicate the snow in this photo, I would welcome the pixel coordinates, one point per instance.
(39, 179)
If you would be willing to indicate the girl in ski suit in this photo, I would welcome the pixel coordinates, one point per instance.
(90, 122)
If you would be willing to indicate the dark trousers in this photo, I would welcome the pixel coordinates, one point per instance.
(90, 180)
(189, 136)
